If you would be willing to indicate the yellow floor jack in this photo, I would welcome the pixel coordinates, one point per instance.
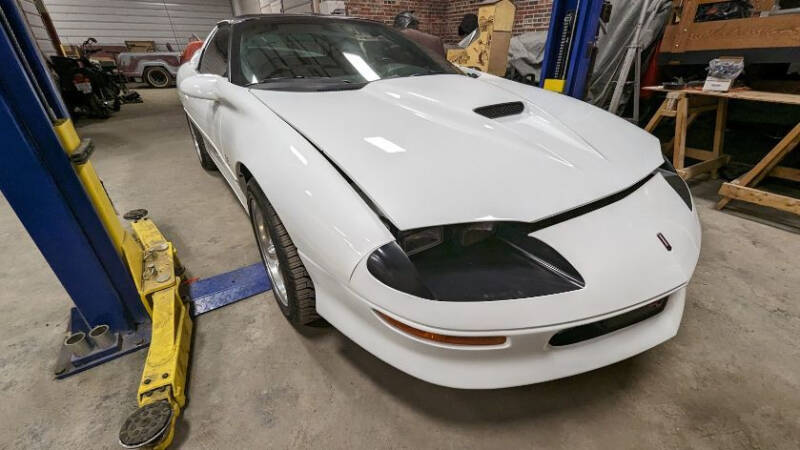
(157, 273)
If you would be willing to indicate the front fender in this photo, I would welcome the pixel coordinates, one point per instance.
(327, 219)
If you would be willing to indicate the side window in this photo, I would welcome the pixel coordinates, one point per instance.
(215, 56)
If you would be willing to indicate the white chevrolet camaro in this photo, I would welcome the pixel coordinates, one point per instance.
(469, 230)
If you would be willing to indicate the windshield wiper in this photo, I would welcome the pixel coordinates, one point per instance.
(417, 74)
(300, 77)
(307, 84)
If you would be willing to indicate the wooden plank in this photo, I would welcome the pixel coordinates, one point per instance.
(754, 32)
(766, 165)
(747, 33)
(719, 131)
(759, 197)
(759, 96)
(696, 153)
(656, 119)
(704, 108)
(769, 162)
(739, 94)
(678, 155)
(703, 167)
(786, 173)
(667, 146)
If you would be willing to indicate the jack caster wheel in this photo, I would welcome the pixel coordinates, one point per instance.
(135, 214)
(146, 426)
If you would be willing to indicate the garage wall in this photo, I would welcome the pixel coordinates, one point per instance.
(241, 7)
(270, 6)
(112, 22)
(297, 6)
(36, 26)
(532, 15)
(431, 13)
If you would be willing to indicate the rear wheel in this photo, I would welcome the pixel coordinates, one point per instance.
(97, 107)
(291, 284)
(157, 77)
(200, 147)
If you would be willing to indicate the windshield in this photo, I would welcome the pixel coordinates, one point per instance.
(326, 54)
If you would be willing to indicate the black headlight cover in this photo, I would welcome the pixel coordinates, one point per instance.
(503, 265)
(676, 182)
(392, 267)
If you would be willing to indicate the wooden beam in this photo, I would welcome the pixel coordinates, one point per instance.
(701, 109)
(734, 192)
(786, 173)
(696, 153)
(656, 119)
(736, 94)
(678, 155)
(669, 113)
(765, 166)
(753, 32)
(703, 167)
(719, 131)
(666, 147)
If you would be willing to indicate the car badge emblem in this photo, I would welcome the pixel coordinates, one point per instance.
(664, 241)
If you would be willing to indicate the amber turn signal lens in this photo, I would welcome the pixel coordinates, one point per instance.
(455, 340)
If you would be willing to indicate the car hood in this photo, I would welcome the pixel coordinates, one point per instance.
(417, 149)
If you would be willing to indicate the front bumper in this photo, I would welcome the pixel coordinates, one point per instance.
(615, 248)
(525, 358)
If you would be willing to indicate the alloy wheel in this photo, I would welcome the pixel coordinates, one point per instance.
(269, 255)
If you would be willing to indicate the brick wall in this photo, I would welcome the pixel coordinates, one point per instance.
(441, 17)
(429, 12)
(532, 15)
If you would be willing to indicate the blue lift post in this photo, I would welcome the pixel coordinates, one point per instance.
(570, 46)
(38, 180)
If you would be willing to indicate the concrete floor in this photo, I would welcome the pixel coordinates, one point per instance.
(729, 380)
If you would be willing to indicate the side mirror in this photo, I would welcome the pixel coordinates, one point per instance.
(204, 86)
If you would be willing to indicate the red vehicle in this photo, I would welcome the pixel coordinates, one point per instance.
(191, 48)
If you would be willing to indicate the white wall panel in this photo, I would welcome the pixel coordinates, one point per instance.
(112, 22)
(297, 6)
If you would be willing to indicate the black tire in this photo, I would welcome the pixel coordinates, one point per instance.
(157, 77)
(301, 306)
(98, 108)
(200, 148)
(116, 105)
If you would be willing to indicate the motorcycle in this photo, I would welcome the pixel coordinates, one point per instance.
(90, 88)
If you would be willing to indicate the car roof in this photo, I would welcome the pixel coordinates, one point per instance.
(293, 18)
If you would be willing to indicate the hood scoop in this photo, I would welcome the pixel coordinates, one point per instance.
(501, 110)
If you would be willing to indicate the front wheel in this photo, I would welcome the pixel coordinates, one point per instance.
(291, 284)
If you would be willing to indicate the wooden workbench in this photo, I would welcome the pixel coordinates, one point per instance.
(685, 105)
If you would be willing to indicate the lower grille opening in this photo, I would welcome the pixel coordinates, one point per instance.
(597, 329)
